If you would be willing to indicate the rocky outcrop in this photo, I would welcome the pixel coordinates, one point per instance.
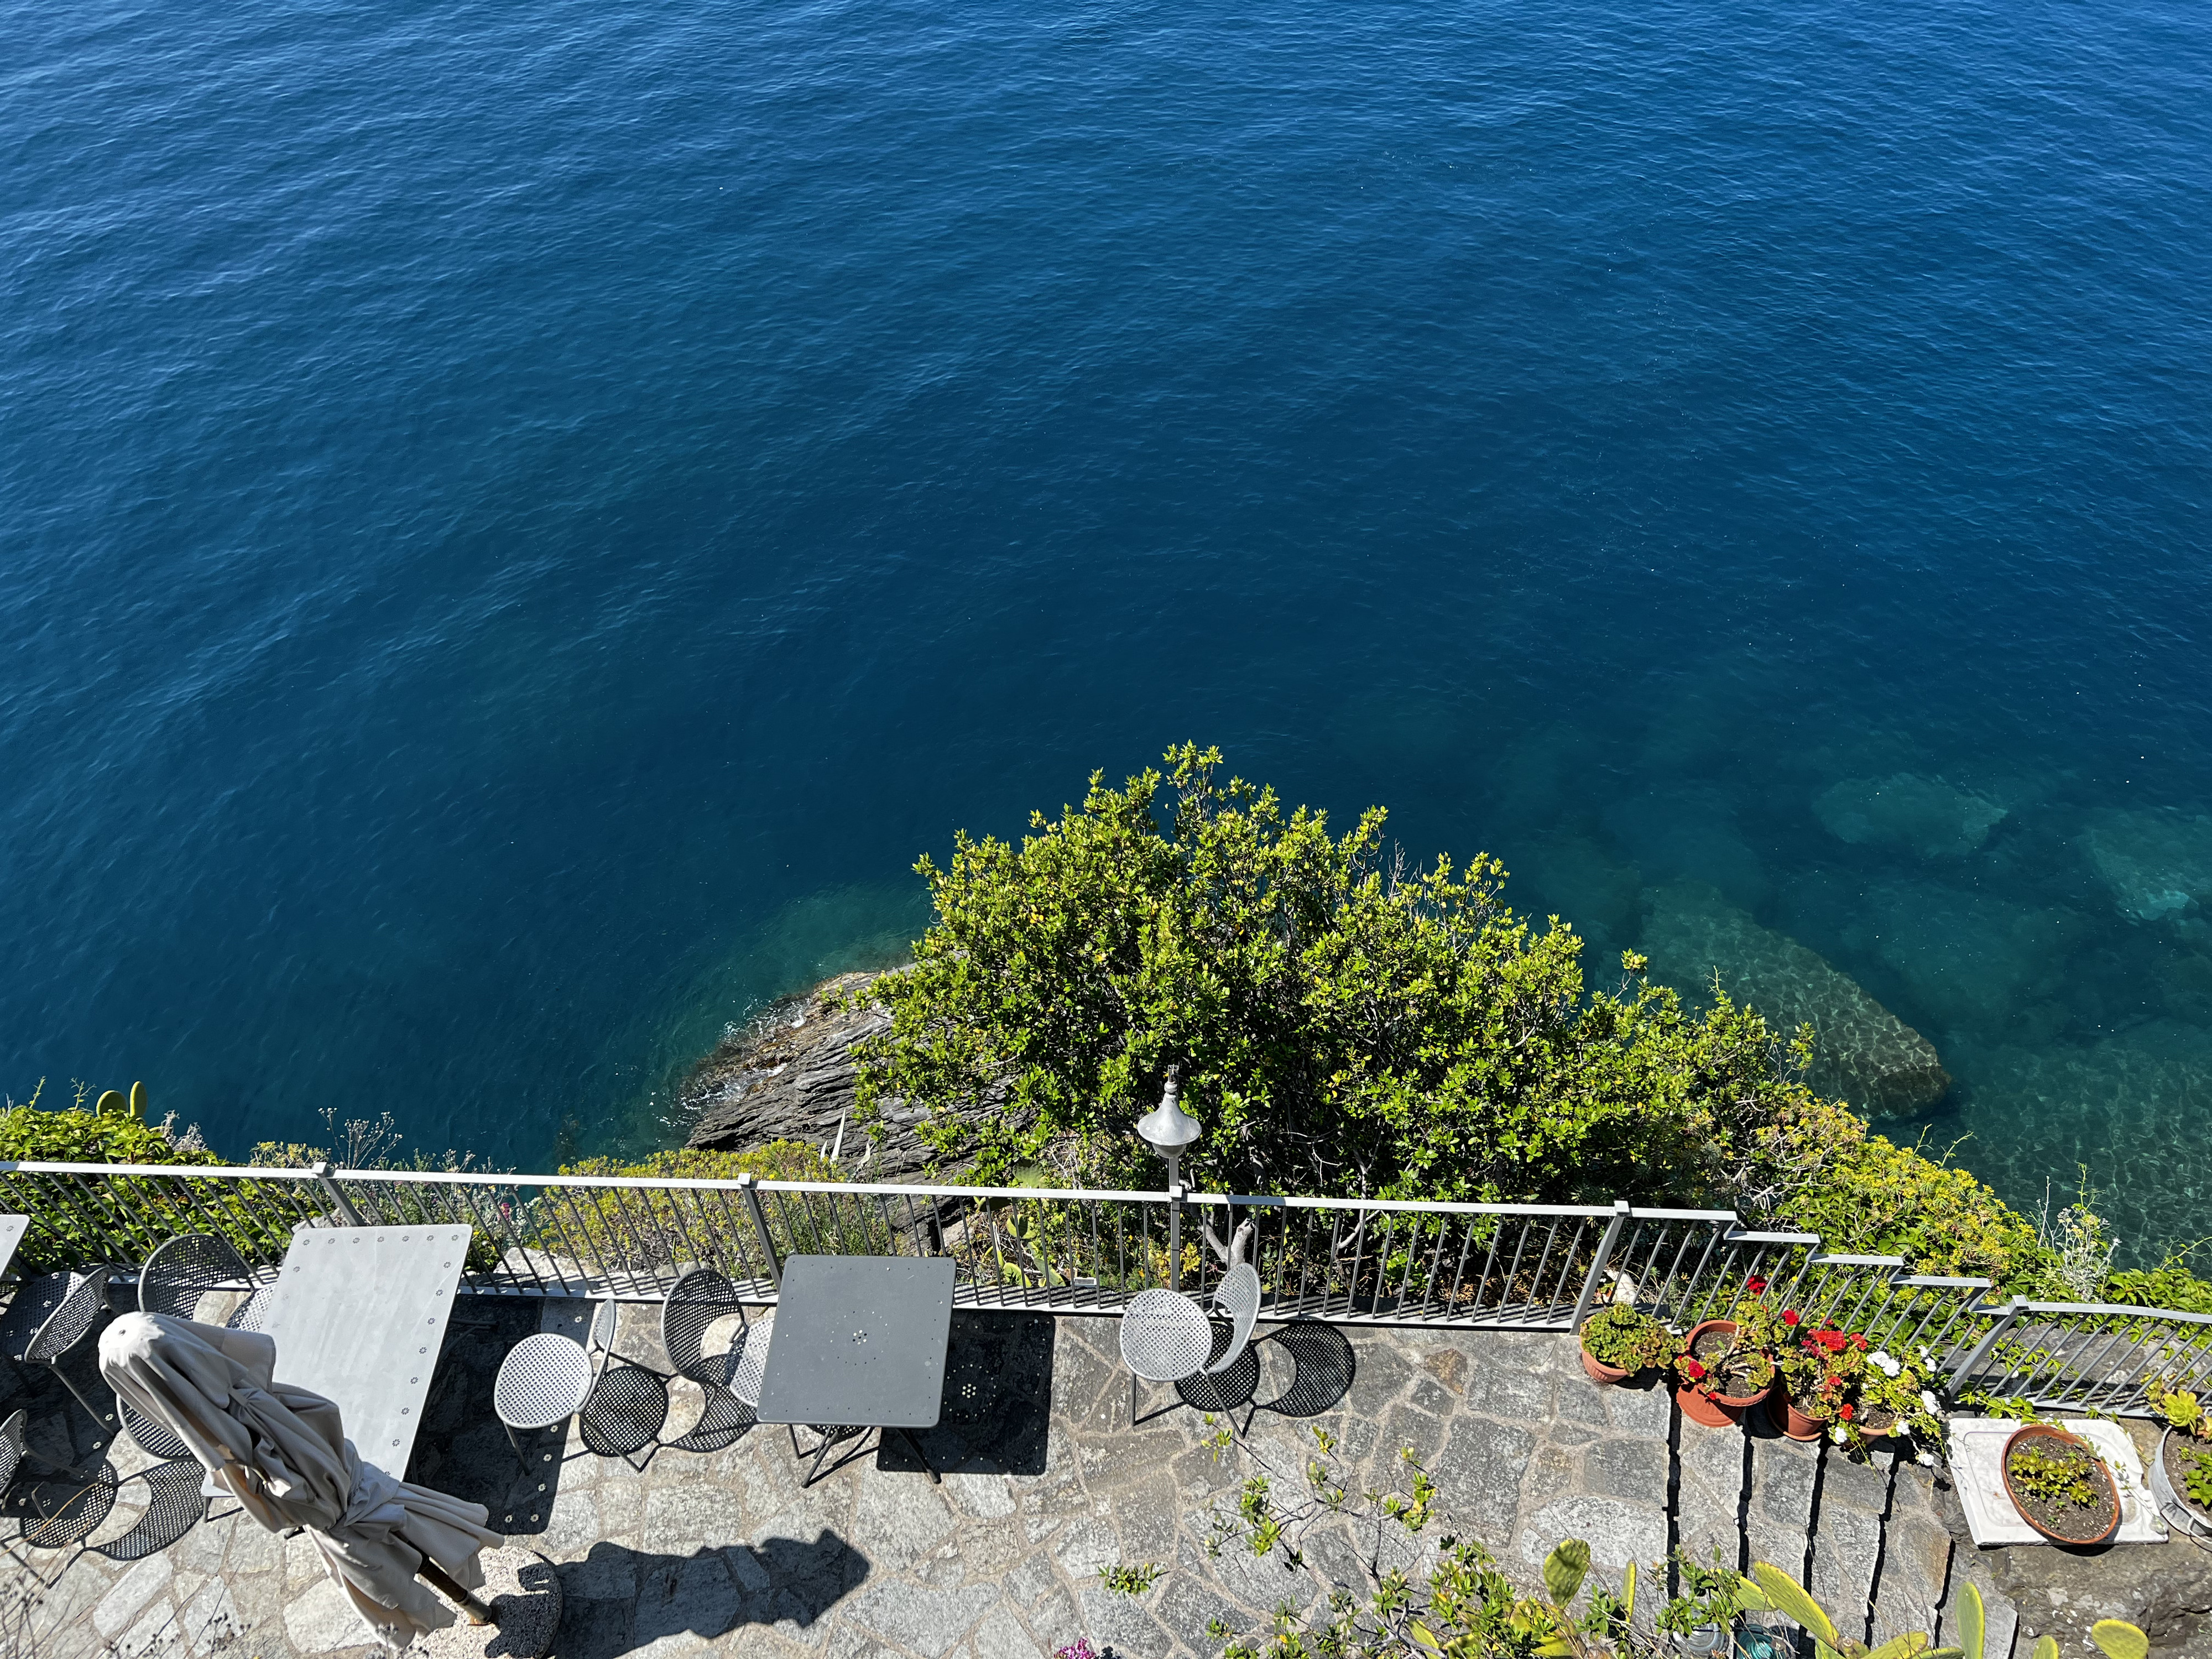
(791, 1076)
(1865, 1054)
(2156, 864)
(1925, 815)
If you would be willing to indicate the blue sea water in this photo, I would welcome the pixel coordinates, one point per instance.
(519, 523)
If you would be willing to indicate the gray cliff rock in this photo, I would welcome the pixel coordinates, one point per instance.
(1865, 1054)
(791, 1076)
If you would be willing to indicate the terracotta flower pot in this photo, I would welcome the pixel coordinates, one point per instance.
(1720, 1410)
(2099, 1475)
(1787, 1419)
(1601, 1372)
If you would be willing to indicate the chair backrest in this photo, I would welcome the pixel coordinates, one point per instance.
(11, 1449)
(1238, 1295)
(176, 1275)
(692, 1306)
(750, 1367)
(73, 1317)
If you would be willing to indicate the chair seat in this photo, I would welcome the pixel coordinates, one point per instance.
(1165, 1336)
(544, 1380)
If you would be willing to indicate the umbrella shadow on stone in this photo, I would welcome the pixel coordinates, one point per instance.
(997, 1406)
(617, 1600)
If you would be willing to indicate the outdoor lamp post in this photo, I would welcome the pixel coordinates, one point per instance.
(1167, 1129)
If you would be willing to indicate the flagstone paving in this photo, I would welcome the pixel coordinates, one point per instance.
(1048, 1482)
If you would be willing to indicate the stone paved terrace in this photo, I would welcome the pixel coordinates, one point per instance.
(725, 1552)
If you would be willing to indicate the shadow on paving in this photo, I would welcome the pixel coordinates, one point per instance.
(616, 1601)
(997, 1409)
(461, 1448)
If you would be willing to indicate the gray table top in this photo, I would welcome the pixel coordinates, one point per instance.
(860, 1341)
(358, 1314)
(11, 1235)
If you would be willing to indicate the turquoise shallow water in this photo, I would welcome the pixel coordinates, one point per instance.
(519, 525)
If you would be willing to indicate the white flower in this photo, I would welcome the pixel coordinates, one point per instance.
(1880, 1357)
(1928, 1399)
(1927, 1458)
(1836, 1432)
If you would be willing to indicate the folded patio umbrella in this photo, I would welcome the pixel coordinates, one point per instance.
(283, 1452)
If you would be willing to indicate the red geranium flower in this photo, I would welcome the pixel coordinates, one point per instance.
(1859, 1342)
(1695, 1371)
(1755, 1285)
(1846, 1413)
(1831, 1340)
(1791, 1315)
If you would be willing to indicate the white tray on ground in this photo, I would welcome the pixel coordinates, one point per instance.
(1977, 1463)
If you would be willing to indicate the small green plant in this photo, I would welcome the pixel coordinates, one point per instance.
(1777, 1591)
(2054, 1472)
(1131, 1580)
(2179, 1406)
(2196, 1477)
(1627, 1339)
(2120, 1639)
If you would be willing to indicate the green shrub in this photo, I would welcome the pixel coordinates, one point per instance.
(121, 1219)
(779, 1160)
(651, 1229)
(1873, 1197)
(1344, 1024)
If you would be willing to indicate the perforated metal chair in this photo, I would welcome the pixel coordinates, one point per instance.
(547, 1379)
(176, 1279)
(703, 1328)
(50, 1323)
(61, 1507)
(179, 1275)
(1231, 1376)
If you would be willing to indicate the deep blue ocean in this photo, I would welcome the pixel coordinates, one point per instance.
(520, 523)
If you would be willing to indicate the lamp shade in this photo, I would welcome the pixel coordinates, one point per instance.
(1167, 1129)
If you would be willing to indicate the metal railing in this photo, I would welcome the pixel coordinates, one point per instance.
(1524, 1267)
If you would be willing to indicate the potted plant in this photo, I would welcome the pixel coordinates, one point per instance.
(1835, 1383)
(2060, 1486)
(2181, 1472)
(1721, 1373)
(1618, 1342)
(1816, 1372)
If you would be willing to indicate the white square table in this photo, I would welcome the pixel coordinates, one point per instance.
(859, 1342)
(12, 1228)
(358, 1314)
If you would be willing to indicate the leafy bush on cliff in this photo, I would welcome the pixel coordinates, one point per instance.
(1344, 1024)
(778, 1160)
(122, 1220)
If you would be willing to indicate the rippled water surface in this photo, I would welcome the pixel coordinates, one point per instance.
(519, 523)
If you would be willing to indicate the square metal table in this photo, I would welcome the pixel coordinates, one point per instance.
(358, 1314)
(859, 1342)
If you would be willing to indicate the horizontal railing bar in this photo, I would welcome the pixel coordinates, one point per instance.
(193, 1171)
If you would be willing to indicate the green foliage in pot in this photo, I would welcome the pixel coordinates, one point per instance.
(1627, 1339)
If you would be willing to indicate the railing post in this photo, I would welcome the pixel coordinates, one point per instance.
(746, 1184)
(335, 1193)
(1989, 1338)
(1604, 1259)
(1174, 1235)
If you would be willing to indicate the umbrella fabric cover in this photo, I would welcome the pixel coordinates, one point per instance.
(283, 1452)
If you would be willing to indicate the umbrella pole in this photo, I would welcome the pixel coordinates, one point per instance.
(477, 1613)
